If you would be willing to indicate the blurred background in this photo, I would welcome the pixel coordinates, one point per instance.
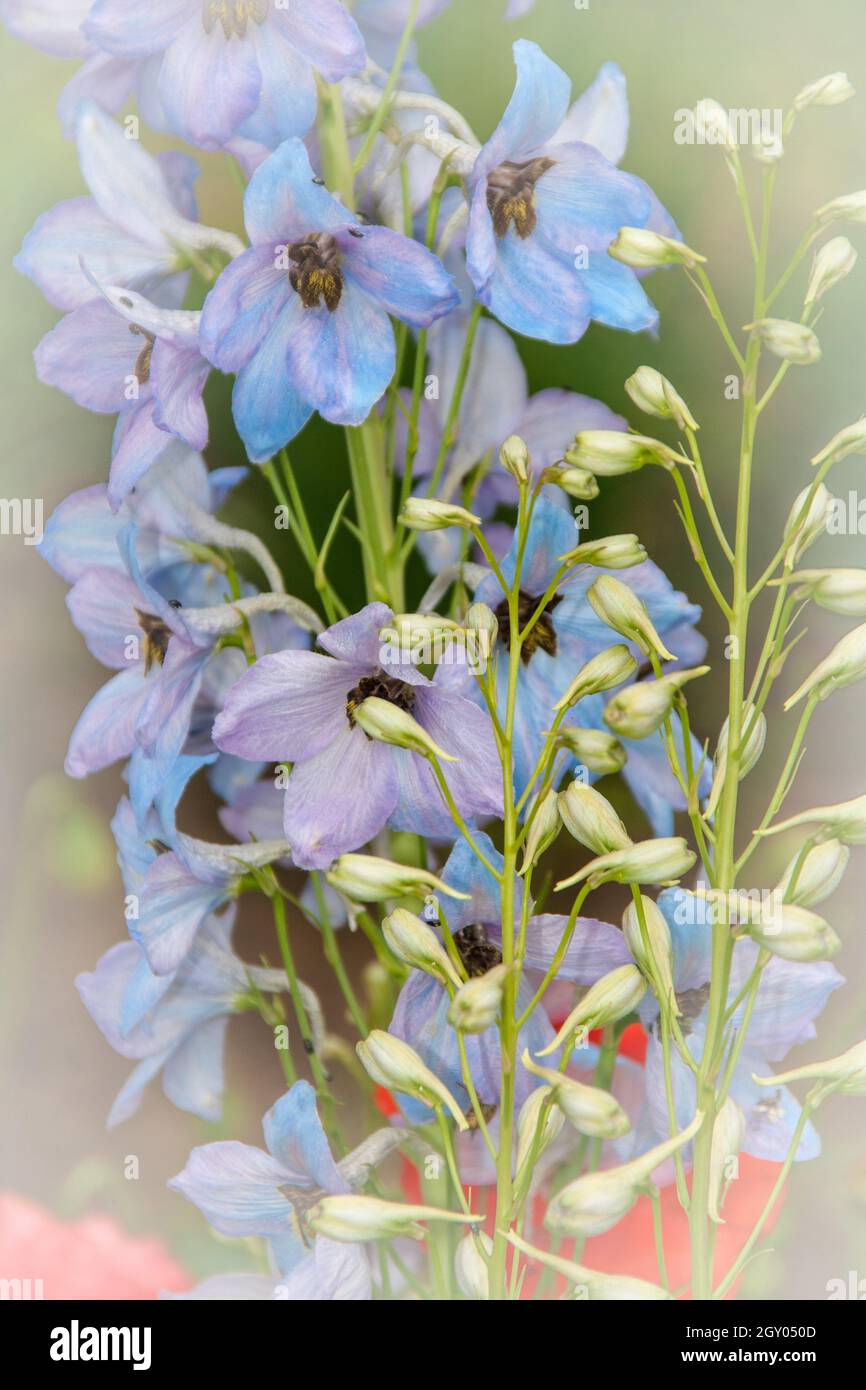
(62, 902)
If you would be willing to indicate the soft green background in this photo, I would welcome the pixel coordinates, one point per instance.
(62, 894)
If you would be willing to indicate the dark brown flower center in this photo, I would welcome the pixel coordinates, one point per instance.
(511, 195)
(543, 634)
(233, 15)
(141, 369)
(692, 1003)
(389, 688)
(316, 275)
(477, 952)
(157, 635)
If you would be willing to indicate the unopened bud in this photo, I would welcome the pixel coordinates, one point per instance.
(768, 148)
(754, 728)
(793, 342)
(388, 723)
(648, 937)
(426, 514)
(644, 250)
(416, 944)
(819, 874)
(514, 457)
(354, 1218)
(412, 632)
(543, 830)
(844, 665)
(663, 861)
(481, 619)
(831, 90)
(839, 591)
(475, 1007)
(845, 821)
(619, 606)
(846, 1073)
(393, 1064)
(713, 125)
(640, 709)
(832, 263)
(589, 1109)
(802, 530)
(597, 751)
(367, 879)
(794, 933)
(611, 553)
(534, 1133)
(602, 672)
(654, 394)
(611, 998)
(471, 1266)
(850, 440)
(575, 482)
(591, 1284)
(590, 818)
(729, 1133)
(608, 453)
(850, 207)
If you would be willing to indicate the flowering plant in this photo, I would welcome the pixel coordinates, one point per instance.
(415, 752)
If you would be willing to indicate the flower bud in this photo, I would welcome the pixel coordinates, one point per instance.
(756, 728)
(729, 1132)
(576, 482)
(713, 125)
(768, 148)
(590, 1283)
(614, 996)
(427, 514)
(595, 1202)
(594, 749)
(846, 1073)
(819, 874)
(610, 553)
(640, 709)
(471, 1267)
(481, 619)
(475, 1007)
(388, 723)
(619, 606)
(663, 861)
(826, 91)
(644, 250)
(590, 818)
(543, 830)
(514, 457)
(839, 591)
(650, 944)
(844, 665)
(794, 933)
(393, 1064)
(530, 1139)
(850, 440)
(850, 207)
(367, 879)
(846, 821)
(353, 1218)
(608, 453)
(792, 341)
(592, 1111)
(654, 394)
(832, 263)
(417, 632)
(602, 672)
(416, 944)
(802, 531)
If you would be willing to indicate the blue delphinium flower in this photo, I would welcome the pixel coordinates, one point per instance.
(421, 1013)
(789, 998)
(545, 206)
(245, 67)
(297, 707)
(134, 230)
(303, 316)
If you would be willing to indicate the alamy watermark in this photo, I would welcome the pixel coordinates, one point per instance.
(22, 516)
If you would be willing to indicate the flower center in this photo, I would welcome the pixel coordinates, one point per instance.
(477, 951)
(315, 274)
(543, 634)
(141, 370)
(389, 688)
(233, 15)
(511, 195)
(157, 635)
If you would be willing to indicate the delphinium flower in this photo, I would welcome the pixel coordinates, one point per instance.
(545, 206)
(245, 1191)
(300, 707)
(303, 316)
(136, 230)
(221, 69)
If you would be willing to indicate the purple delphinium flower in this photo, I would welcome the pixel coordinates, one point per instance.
(181, 1031)
(297, 707)
(544, 209)
(242, 68)
(135, 230)
(303, 316)
(789, 998)
(121, 355)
